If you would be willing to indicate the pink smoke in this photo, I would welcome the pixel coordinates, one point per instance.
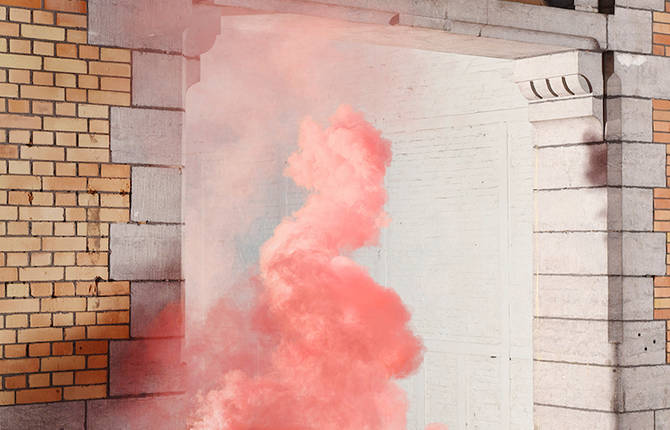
(324, 342)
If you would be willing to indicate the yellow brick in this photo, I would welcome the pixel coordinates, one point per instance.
(43, 48)
(20, 15)
(85, 273)
(115, 171)
(64, 228)
(116, 55)
(19, 182)
(7, 398)
(42, 153)
(115, 84)
(88, 155)
(75, 214)
(99, 126)
(94, 140)
(43, 17)
(17, 228)
(66, 109)
(93, 111)
(66, 169)
(115, 200)
(64, 258)
(66, 139)
(109, 185)
(40, 335)
(38, 380)
(42, 93)
(20, 121)
(19, 136)
(65, 124)
(64, 244)
(40, 259)
(109, 98)
(42, 32)
(64, 304)
(661, 28)
(40, 273)
(108, 303)
(74, 333)
(43, 138)
(66, 80)
(60, 183)
(19, 244)
(62, 378)
(63, 319)
(64, 289)
(19, 46)
(109, 69)
(18, 106)
(43, 78)
(114, 215)
(16, 321)
(9, 90)
(17, 259)
(19, 305)
(16, 167)
(113, 317)
(42, 228)
(64, 65)
(88, 199)
(9, 29)
(40, 289)
(71, 362)
(67, 50)
(19, 76)
(85, 318)
(8, 274)
(76, 95)
(16, 61)
(113, 288)
(19, 366)
(88, 81)
(77, 36)
(40, 320)
(82, 392)
(43, 108)
(88, 169)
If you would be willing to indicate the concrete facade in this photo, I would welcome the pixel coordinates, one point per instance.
(595, 88)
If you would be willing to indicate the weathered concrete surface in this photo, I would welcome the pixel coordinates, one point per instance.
(164, 92)
(643, 253)
(636, 209)
(149, 24)
(643, 343)
(137, 413)
(641, 76)
(623, 30)
(145, 252)
(145, 366)
(61, 416)
(642, 4)
(575, 341)
(146, 136)
(555, 418)
(580, 209)
(628, 119)
(156, 195)
(572, 166)
(555, 253)
(643, 165)
(638, 294)
(147, 301)
(646, 387)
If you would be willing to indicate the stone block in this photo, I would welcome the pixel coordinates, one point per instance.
(571, 253)
(636, 421)
(575, 341)
(61, 416)
(145, 367)
(156, 195)
(646, 387)
(623, 30)
(166, 92)
(575, 385)
(638, 298)
(643, 254)
(628, 119)
(662, 419)
(556, 418)
(637, 209)
(584, 297)
(146, 24)
(167, 412)
(641, 76)
(581, 209)
(643, 165)
(145, 252)
(642, 4)
(572, 166)
(643, 343)
(146, 136)
(147, 301)
(567, 131)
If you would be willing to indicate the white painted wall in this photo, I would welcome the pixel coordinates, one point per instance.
(459, 247)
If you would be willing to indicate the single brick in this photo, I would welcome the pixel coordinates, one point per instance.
(42, 32)
(40, 273)
(42, 228)
(114, 215)
(66, 80)
(23, 3)
(42, 214)
(108, 303)
(19, 46)
(39, 395)
(42, 92)
(15, 351)
(8, 274)
(85, 273)
(9, 90)
(115, 200)
(113, 317)
(66, 169)
(30, 335)
(43, 48)
(85, 392)
(66, 139)
(17, 290)
(62, 378)
(92, 259)
(110, 185)
(9, 151)
(64, 229)
(109, 69)
(97, 361)
(76, 6)
(63, 65)
(64, 289)
(99, 126)
(108, 332)
(16, 167)
(19, 244)
(40, 289)
(115, 84)
(77, 36)
(88, 155)
(63, 258)
(65, 124)
(19, 305)
(25, 365)
(93, 111)
(40, 259)
(40, 320)
(66, 109)
(7, 398)
(89, 52)
(9, 29)
(65, 184)
(88, 81)
(75, 333)
(43, 108)
(20, 121)
(86, 347)
(18, 106)
(43, 17)
(88, 377)
(39, 380)
(88, 169)
(115, 170)
(14, 382)
(7, 336)
(70, 362)
(85, 318)
(20, 15)
(19, 76)
(71, 20)
(62, 348)
(39, 349)
(63, 304)
(17, 259)
(109, 98)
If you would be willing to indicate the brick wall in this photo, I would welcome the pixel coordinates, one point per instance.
(661, 32)
(59, 192)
